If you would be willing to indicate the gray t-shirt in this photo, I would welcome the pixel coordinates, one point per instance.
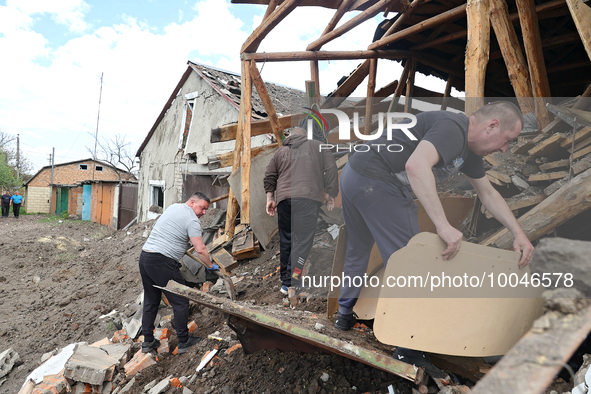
(170, 236)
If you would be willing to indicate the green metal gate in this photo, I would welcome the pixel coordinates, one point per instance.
(61, 200)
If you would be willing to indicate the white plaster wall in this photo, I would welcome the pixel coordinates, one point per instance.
(37, 199)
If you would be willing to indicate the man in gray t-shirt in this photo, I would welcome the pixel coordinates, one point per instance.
(159, 263)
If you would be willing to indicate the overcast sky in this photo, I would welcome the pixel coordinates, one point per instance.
(54, 52)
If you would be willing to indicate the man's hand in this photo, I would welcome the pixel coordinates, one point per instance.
(271, 207)
(329, 201)
(522, 244)
(214, 267)
(453, 239)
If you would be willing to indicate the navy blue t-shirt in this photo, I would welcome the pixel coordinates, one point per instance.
(447, 131)
(6, 199)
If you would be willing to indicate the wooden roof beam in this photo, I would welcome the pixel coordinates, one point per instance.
(264, 95)
(348, 86)
(357, 20)
(477, 52)
(344, 7)
(253, 42)
(581, 14)
(323, 55)
(452, 14)
(512, 54)
(535, 59)
(461, 34)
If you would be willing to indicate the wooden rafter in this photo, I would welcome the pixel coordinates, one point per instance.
(343, 7)
(447, 93)
(403, 17)
(410, 84)
(270, 8)
(323, 55)
(253, 42)
(401, 85)
(581, 14)
(345, 27)
(348, 86)
(266, 99)
(512, 54)
(452, 14)
(477, 52)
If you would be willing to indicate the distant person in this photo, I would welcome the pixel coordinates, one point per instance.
(159, 263)
(6, 198)
(16, 200)
(300, 175)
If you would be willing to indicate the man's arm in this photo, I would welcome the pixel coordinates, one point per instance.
(270, 185)
(420, 174)
(201, 250)
(498, 207)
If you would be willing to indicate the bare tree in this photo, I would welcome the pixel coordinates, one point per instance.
(115, 151)
(9, 156)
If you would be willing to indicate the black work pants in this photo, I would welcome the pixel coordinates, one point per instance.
(5, 209)
(297, 219)
(15, 209)
(157, 269)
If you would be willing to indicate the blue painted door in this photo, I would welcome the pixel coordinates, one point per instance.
(86, 192)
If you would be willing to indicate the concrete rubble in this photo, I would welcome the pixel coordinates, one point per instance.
(7, 360)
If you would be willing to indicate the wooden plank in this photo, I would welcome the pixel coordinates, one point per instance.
(401, 85)
(550, 213)
(568, 115)
(580, 135)
(227, 159)
(581, 153)
(520, 201)
(549, 146)
(243, 243)
(547, 176)
(494, 180)
(524, 147)
(219, 198)
(328, 55)
(267, 103)
(254, 40)
(499, 176)
(315, 75)
(535, 59)
(410, 83)
(350, 24)
(550, 126)
(225, 261)
(581, 14)
(246, 98)
(586, 142)
(554, 165)
(253, 254)
(477, 53)
(491, 160)
(511, 50)
(342, 161)
(447, 93)
(218, 242)
(450, 15)
(348, 86)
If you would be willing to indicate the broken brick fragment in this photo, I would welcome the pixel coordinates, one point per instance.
(162, 333)
(206, 287)
(175, 382)
(192, 326)
(119, 336)
(237, 346)
(139, 362)
(164, 347)
(53, 385)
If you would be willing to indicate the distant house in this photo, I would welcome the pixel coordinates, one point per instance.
(71, 186)
(174, 154)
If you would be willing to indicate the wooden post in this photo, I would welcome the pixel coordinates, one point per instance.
(401, 85)
(253, 42)
(245, 100)
(264, 95)
(315, 74)
(477, 53)
(535, 59)
(581, 14)
(447, 93)
(371, 89)
(345, 27)
(410, 83)
(511, 50)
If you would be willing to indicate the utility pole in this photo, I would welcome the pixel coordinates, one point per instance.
(18, 156)
(97, 126)
(52, 156)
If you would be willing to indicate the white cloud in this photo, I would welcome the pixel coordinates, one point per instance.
(65, 12)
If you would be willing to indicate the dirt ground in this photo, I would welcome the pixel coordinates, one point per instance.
(58, 277)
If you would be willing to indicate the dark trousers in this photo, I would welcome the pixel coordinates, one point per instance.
(16, 208)
(374, 211)
(5, 209)
(296, 219)
(157, 269)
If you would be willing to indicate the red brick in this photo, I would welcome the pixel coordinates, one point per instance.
(120, 336)
(206, 287)
(139, 362)
(176, 382)
(237, 346)
(53, 385)
(192, 326)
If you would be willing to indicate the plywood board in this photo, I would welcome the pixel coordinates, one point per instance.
(472, 327)
(263, 225)
(225, 261)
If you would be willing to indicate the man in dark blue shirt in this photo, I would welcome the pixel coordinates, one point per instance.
(5, 204)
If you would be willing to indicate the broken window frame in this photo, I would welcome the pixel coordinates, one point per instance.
(155, 196)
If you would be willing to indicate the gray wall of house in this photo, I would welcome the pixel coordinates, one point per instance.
(163, 164)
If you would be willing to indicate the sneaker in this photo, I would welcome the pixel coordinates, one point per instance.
(184, 347)
(284, 290)
(148, 346)
(345, 322)
(418, 359)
